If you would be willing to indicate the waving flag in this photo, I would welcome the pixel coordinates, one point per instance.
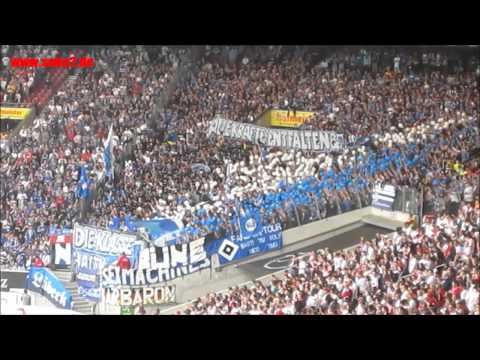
(162, 231)
(108, 155)
(82, 187)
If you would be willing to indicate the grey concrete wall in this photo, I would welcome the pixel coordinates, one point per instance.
(305, 232)
(391, 215)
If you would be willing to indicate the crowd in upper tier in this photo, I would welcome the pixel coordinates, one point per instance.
(416, 107)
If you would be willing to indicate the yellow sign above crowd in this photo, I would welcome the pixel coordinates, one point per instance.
(284, 118)
(14, 113)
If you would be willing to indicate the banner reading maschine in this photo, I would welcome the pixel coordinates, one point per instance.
(293, 139)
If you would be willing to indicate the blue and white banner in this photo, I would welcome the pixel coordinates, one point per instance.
(383, 197)
(88, 265)
(259, 239)
(44, 282)
(103, 241)
(96, 249)
(160, 232)
(160, 264)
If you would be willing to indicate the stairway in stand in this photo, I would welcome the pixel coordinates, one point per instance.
(79, 304)
(44, 92)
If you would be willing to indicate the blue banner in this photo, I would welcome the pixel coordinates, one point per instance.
(44, 282)
(259, 239)
(89, 265)
(83, 183)
(96, 248)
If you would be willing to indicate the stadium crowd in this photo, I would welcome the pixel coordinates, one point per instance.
(427, 270)
(356, 94)
(17, 83)
(162, 181)
(45, 158)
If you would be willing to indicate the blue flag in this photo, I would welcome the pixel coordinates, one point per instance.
(108, 155)
(114, 224)
(130, 224)
(83, 183)
(164, 231)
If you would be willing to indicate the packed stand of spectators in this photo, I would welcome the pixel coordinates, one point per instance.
(160, 179)
(427, 270)
(44, 160)
(17, 83)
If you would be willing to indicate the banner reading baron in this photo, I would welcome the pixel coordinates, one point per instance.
(126, 296)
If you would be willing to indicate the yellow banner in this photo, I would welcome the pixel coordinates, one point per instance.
(284, 118)
(14, 113)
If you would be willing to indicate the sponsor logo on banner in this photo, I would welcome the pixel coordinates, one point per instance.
(284, 118)
(14, 113)
(291, 139)
(251, 225)
(12, 280)
(45, 283)
(139, 296)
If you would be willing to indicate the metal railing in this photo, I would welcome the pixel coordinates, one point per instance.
(407, 200)
(17, 105)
